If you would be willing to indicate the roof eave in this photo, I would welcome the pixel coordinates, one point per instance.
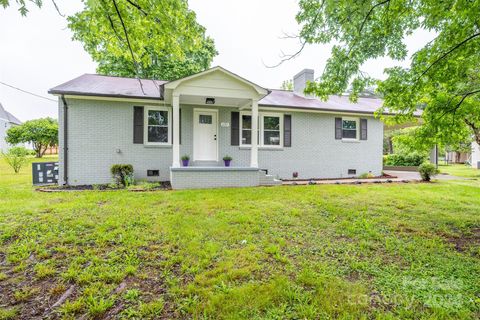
(124, 96)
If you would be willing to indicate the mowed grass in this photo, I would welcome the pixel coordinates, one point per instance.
(460, 170)
(299, 252)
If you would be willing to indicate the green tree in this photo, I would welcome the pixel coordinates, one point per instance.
(287, 85)
(41, 133)
(16, 157)
(443, 77)
(143, 38)
(153, 39)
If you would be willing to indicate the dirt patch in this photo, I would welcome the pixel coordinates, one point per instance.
(464, 241)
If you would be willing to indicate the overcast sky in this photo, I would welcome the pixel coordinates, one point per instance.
(37, 53)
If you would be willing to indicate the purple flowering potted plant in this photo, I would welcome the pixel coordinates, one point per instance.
(227, 160)
(185, 160)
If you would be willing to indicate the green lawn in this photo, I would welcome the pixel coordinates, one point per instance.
(460, 170)
(315, 252)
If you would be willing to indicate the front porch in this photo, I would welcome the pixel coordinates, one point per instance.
(202, 107)
(213, 177)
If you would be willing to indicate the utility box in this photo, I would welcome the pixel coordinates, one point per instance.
(44, 173)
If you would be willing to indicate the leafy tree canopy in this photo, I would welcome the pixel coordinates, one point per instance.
(443, 77)
(158, 39)
(155, 39)
(41, 133)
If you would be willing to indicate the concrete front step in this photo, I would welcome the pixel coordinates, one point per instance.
(269, 180)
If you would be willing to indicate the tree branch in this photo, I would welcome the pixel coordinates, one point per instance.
(465, 96)
(457, 106)
(475, 129)
(303, 43)
(138, 7)
(56, 8)
(112, 25)
(458, 45)
(369, 13)
(289, 56)
(364, 22)
(128, 43)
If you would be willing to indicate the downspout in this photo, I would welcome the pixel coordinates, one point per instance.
(65, 140)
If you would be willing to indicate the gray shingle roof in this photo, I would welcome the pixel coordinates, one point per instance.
(288, 99)
(4, 114)
(98, 85)
(105, 86)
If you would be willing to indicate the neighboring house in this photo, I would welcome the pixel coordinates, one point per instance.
(475, 155)
(456, 157)
(7, 120)
(152, 124)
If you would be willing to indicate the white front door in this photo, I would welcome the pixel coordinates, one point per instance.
(205, 135)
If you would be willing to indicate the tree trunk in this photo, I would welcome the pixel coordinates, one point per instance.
(390, 145)
(44, 150)
(38, 150)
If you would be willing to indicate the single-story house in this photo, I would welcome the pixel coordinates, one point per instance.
(270, 134)
(7, 120)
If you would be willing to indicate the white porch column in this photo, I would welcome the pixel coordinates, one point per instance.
(176, 131)
(254, 149)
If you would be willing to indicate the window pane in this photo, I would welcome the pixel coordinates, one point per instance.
(246, 137)
(156, 117)
(349, 124)
(246, 122)
(350, 134)
(271, 123)
(271, 138)
(205, 119)
(157, 134)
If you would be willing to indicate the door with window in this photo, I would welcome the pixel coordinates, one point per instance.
(205, 136)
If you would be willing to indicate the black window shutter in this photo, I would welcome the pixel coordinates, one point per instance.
(363, 129)
(235, 129)
(338, 128)
(138, 125)
(287, 130)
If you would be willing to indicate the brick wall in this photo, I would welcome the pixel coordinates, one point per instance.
(97, 129)
(183, 178)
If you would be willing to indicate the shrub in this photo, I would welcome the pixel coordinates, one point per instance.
(402, 159)
(122, 174)
(16, 157)
(366, 175)
(427, 171)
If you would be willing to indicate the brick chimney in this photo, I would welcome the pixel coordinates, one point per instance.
(300, 82)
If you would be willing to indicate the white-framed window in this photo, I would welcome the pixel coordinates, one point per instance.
(158, 128)
(350, 128)
(270, 128)
(246, 129)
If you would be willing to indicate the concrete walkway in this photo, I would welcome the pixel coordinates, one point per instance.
(400, 176)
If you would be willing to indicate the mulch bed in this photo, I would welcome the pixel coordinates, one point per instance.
(384, 176)
(162, 186)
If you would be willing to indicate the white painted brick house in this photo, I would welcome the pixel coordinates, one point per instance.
(151, 124)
